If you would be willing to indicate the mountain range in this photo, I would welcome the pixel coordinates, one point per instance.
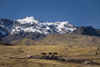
(35, 29)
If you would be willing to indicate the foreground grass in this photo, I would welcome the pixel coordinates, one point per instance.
(22, 51)
(37, 63)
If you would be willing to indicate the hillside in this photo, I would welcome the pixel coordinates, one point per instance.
(25, 42)
(72, 40)
(63, 39)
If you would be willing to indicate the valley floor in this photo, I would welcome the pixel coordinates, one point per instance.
(22, 51)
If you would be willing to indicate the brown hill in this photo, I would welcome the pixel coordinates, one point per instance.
(63, 39)
(71, 39)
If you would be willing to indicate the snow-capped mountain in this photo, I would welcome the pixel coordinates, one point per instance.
(32, 28)
(31, 24)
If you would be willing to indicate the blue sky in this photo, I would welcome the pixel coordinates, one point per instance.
(77, 12)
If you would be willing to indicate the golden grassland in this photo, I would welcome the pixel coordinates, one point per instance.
(67, 45)
(22, 51)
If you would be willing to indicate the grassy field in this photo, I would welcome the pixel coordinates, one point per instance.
(76, 46)
(22, 51)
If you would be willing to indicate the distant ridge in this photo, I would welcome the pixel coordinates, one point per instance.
(88, 30)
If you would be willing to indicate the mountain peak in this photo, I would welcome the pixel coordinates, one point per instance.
(26, 20)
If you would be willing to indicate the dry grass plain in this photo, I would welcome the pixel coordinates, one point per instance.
(67, 45)
(22, 51)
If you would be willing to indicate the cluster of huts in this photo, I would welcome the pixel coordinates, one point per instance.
(49, 56)
(54, 56)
